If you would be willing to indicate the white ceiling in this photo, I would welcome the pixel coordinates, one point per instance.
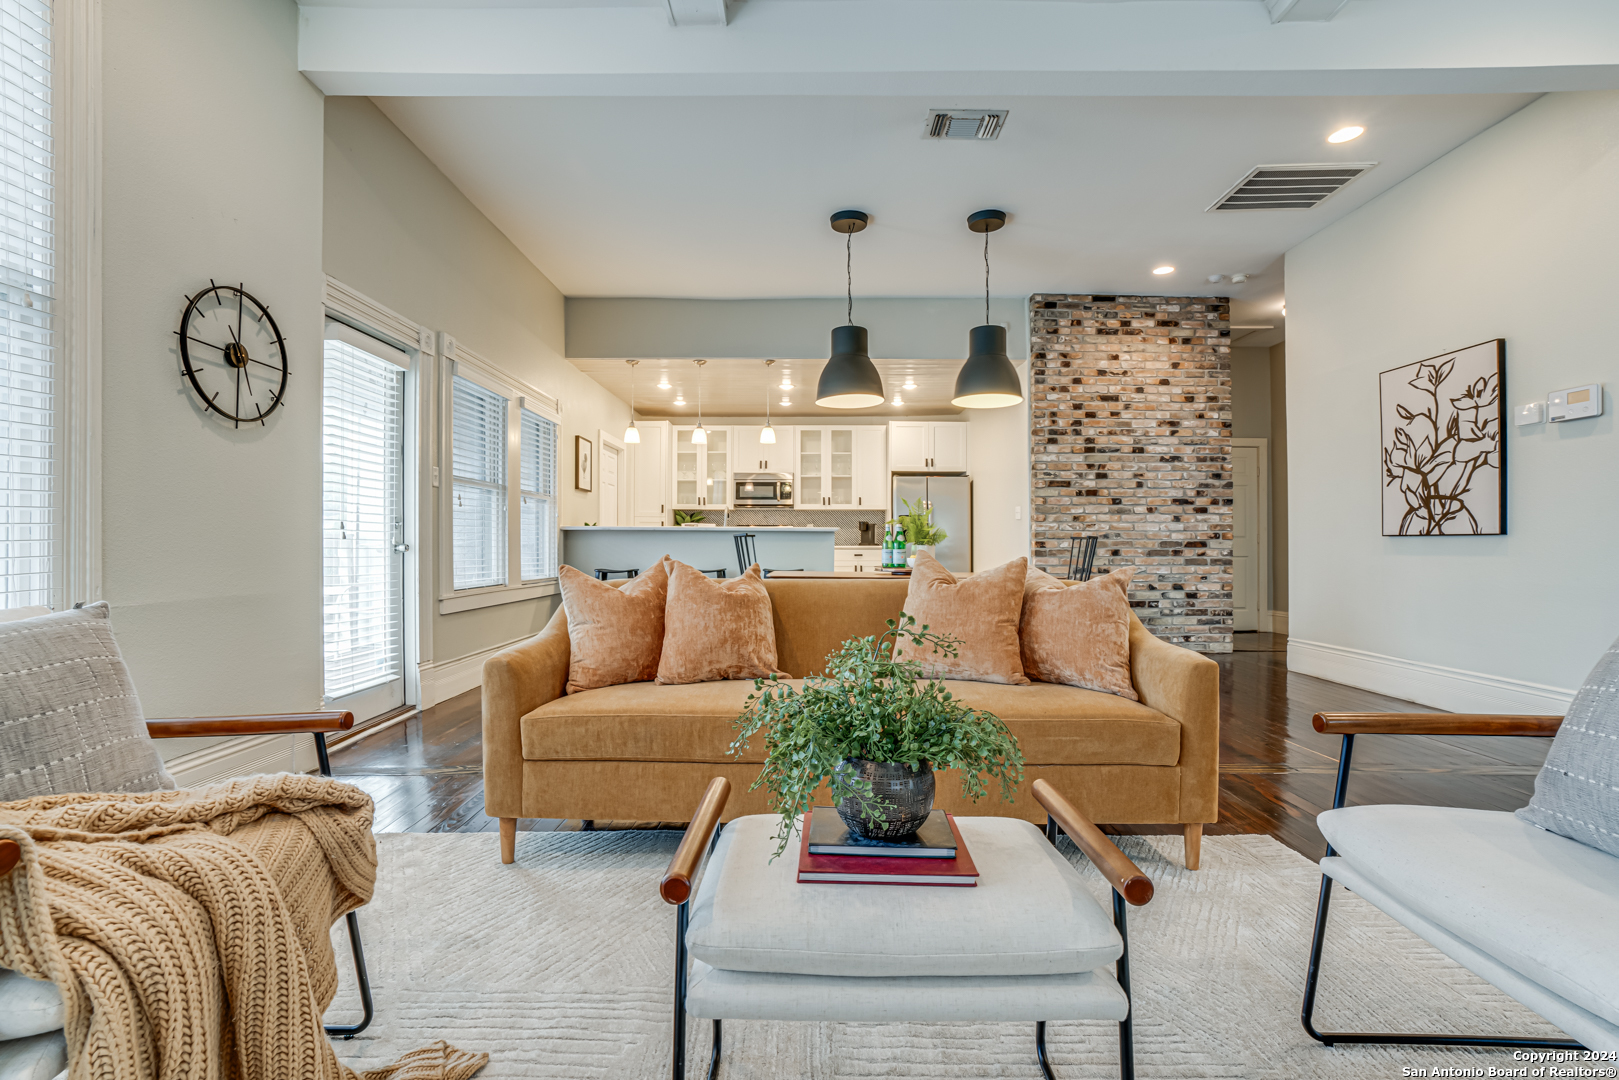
(728, 196)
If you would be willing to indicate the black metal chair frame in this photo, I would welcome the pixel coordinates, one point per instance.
(745, 554)
(348, 1031)
(1081, 557)
(1331, 1038)
(1127, 1055)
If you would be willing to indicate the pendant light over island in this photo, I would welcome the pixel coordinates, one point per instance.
(850, 380)
(987, 380)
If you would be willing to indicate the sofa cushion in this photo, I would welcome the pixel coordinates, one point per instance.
(1029, 914)
(1054, 725)
(1064, 725)
(615, 635)
(716, 629)
(69, 718)
(641, 722)
(1540, 903)
(980, 612)
(1577, 791)
(1078, 632)
(38, 1057)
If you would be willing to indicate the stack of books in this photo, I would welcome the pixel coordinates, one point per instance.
(935, 855)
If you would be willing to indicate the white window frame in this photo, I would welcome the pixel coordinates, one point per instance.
(345, 305)
(519, 395)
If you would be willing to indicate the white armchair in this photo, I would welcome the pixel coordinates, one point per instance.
(1529, 911)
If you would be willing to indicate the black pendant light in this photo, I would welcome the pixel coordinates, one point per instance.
(849, 380)
(987, 380)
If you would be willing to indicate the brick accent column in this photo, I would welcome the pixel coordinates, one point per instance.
(1131, 442)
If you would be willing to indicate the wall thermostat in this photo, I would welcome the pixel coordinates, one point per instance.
(1532, 413)
(1575, 403)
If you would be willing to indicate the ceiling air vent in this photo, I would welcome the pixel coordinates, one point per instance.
(964, 123)
(1289, 187)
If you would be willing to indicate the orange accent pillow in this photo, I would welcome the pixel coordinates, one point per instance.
(1078, 632)
(980, 611)
(715, 630)
(615, 634)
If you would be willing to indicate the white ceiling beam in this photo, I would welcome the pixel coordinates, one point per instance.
(1303, 10)
(960, 51)
(698, 12)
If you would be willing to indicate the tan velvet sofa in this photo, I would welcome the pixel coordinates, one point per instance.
(644, 752)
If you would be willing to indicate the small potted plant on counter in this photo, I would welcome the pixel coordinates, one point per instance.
(689, 517)
(873, 729)
(920, 532)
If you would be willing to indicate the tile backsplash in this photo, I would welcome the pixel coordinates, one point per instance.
(847, 522)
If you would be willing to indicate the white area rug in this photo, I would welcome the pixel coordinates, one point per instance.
(560, 967)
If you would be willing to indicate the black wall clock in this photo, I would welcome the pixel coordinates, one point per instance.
(232, 353)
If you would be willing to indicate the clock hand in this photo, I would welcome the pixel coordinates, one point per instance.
(249, 379)
(238, 391)
(238, 313)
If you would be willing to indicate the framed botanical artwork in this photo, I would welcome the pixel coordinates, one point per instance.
(584, 463)
(1444, 445)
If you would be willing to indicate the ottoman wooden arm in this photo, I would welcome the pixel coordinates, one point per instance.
(676, 885)
(1125, 876)
(1351, 723)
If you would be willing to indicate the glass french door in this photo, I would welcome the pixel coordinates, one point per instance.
(363, 529)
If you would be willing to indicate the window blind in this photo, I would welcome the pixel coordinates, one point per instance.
(31, 526)
(478, 478)
(539, 490)
(362, 482)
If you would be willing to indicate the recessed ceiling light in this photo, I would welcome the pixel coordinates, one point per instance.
(786, 383)
(663, 382)
(1161, 270)
(910, 384)
(898, 400)
(680, 399)
(1344, 134)
(785, 400)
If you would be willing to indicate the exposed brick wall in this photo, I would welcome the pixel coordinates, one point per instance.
(1131, 441)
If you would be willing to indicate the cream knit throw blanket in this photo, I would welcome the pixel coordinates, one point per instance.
(188, 931)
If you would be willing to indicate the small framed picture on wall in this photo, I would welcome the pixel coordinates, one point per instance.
(1444, 457)
(584, 463)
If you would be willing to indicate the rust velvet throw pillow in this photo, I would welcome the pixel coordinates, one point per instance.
(1078, 633)
(715, 630)
(981, 612)
(615, 635)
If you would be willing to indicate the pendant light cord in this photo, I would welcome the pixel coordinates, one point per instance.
(848, 270)
(986, 277)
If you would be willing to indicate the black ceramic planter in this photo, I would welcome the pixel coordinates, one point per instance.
(903, 797)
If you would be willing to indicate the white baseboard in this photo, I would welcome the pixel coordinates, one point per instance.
(1450, 689)
(245, 755)
(444, 679)
(1274, 622)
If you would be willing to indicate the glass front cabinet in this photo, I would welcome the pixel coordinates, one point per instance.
(826, 468)
(702, 472)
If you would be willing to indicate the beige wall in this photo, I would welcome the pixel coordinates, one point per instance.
(397, 230)
(998, 458)
(1278, 476)
(1250, 394)
(212, 162)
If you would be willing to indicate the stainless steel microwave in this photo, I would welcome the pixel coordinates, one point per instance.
(762, 489)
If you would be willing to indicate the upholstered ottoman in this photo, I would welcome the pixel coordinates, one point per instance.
(1028, 943)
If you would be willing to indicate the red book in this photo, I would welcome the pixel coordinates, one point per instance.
(877, 870)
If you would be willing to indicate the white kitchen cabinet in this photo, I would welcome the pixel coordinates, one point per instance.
(751, 455)
(857, 559)
(924, 446)
(871, 467)
(700, 472)
(649, 468)
(826, 468)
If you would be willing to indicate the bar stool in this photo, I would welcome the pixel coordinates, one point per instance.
(746, 556)
(603, 575)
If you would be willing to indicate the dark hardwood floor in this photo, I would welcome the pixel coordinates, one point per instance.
(1276, 773)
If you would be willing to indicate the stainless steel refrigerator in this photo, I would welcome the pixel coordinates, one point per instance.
(952, 500)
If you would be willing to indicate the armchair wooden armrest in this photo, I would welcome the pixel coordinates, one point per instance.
(1435, 724)
(1125, 876)
(268, 724)
(676, 885)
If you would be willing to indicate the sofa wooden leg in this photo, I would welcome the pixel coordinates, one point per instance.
(508, 839)
(1194, 845)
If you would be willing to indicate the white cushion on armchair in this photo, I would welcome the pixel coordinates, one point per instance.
(1543, 905)
(28, 1006)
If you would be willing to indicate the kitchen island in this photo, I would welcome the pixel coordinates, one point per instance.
(707, 547)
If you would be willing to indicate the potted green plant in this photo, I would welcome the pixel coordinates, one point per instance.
(920, 532)
(689, 517)
(873, 730)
